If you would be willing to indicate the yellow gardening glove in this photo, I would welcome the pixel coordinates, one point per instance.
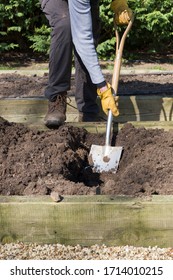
(123, 13)
(108, 101)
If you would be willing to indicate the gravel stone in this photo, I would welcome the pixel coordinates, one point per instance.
(21, 251)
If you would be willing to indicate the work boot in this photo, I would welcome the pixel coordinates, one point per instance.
(88, 117)
(56, 114)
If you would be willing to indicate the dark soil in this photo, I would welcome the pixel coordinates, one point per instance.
(35, 162)
(16, 85)
(39, 162)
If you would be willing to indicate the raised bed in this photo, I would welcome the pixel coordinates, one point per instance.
(148, 111)
(88, 220)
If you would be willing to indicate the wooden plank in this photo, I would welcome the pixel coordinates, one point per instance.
(93, 127)
(98, 128)
(101, 127)
(141, 111)
(166, 125)
(132, 108)
(88, 220)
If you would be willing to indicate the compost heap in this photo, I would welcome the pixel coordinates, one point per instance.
(39, 162)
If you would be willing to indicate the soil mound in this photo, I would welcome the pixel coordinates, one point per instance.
(39, 162)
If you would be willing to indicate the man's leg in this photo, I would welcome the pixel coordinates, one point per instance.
(86, 91)
(60, 59)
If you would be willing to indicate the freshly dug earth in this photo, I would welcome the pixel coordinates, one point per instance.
(15, 85)
(40, 162)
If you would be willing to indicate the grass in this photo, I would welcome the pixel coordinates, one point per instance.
(5, 67)
(158, 67)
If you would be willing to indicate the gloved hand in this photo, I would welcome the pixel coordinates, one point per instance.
(123, 13)
(108, 101)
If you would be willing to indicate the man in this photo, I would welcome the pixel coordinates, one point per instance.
(60, 64)
(81, 18)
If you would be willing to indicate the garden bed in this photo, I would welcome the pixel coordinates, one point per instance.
(35, 162)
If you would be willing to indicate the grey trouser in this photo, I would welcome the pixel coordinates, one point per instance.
(60, 58)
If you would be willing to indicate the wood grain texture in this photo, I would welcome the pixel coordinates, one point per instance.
(88, 220)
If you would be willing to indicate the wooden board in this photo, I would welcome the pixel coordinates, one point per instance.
(132, 108)
(88, 220)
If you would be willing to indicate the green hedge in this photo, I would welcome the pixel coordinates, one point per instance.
(23, 26)
(151, 32)
(18, 21)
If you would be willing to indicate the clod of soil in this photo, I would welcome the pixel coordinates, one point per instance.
(42, 162)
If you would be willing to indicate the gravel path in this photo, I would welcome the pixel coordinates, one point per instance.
(21, 251)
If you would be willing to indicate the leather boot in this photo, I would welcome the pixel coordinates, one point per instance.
(56, 114)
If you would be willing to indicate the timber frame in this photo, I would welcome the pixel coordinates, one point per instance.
(154, 111)
(88, 220)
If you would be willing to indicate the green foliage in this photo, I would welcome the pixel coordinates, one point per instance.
(153, 24)
(106, 49)
(41, 39)
(7, 47)
(18, 20)
(151, 30)
(24, 26)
